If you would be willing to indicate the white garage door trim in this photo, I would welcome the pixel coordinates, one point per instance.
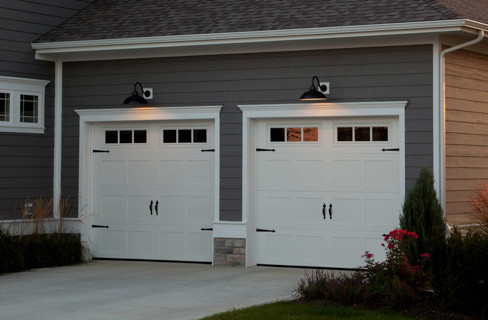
(89, 117)
(346, 109)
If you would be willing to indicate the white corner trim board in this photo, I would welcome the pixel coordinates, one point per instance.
(89, 117)
(298, 111)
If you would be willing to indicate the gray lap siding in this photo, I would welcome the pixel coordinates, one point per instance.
(387, 73)
(26, 160)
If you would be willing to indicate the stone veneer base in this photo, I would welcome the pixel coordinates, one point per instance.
(230, 252)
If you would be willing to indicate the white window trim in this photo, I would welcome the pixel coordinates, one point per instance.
(250, 113)
(23, 86)
(90, 117)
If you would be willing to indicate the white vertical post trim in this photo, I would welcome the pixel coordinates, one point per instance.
(58, 115)
(436, 168)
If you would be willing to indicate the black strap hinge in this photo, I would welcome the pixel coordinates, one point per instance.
(98, 151)
(206, 229)
(393, 149)
(208, 150)
(261, 149)
(99, 226)
(265, 230)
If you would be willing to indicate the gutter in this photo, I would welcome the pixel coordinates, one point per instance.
(442, 115)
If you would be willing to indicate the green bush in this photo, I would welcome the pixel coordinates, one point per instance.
(422, 214)
(19, 253)
(464, 270)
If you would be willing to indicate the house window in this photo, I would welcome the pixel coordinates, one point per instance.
(22, 105)
(184, 136)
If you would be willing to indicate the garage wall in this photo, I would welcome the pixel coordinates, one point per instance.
(466, 132)
(26, 163)
(388, 73)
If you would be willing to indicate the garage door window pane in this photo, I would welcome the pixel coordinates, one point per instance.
(140, 136)
(169, 136)
(362, 133)
(200, 135)
(311, 134)
(111, 136)
(126, 136)
(184, 136)
(294, 134)
(344, 134)
(277, 134)
(380, 133)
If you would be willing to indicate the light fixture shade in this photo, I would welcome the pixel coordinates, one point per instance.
(135, 98)
(313, 95)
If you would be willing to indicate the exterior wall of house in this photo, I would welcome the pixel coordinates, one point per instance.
(466, 132)
(26, 159)
(386, 73)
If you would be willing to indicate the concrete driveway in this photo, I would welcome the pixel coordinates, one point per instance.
(140, 290)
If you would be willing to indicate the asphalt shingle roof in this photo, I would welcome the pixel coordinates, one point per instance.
(111, 19)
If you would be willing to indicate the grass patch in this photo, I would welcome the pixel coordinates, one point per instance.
(290, 310)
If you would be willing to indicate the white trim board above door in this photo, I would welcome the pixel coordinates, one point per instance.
(303, 111)
(90, 117)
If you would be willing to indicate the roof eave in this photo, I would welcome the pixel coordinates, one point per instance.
(55, 50)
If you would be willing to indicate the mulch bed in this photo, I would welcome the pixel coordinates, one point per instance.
(430, 309)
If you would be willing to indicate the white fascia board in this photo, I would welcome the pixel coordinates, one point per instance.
(49, 50)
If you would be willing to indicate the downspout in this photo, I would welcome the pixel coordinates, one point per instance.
(442, 115)
(58, 115)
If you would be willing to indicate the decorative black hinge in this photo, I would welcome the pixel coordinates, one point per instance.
(261, 149)
(98, 151)
(265, 230)
(393, 149)
(208, 150)
(99, 226)
(206, 229)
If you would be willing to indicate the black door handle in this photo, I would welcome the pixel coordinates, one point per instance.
(150, 207)
(324, 208)
(156, 207)
(330, 211)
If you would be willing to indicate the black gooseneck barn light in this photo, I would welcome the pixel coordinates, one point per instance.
(313, 94)
(135, 98)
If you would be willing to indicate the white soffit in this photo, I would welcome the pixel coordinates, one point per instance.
(248, 42)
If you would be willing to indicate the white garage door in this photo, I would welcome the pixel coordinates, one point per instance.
(153, 191)
(329, 190)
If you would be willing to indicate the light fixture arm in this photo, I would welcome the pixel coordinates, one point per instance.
(144, 93)
(322, 87)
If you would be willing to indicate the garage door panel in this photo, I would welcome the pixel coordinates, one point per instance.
(170, 171)
(380, 211)
(347, 210)
(199, 172)
(356, 177)
(200, 208)
(138, 206)
(139, 171)
(113, 206)
(112, 242)
(308, 209)
(309, 172)
(113, 171)
(138, 243)
(171, 245)
(347, 172)
(178, 178)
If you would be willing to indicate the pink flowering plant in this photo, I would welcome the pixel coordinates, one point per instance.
(397, 273)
